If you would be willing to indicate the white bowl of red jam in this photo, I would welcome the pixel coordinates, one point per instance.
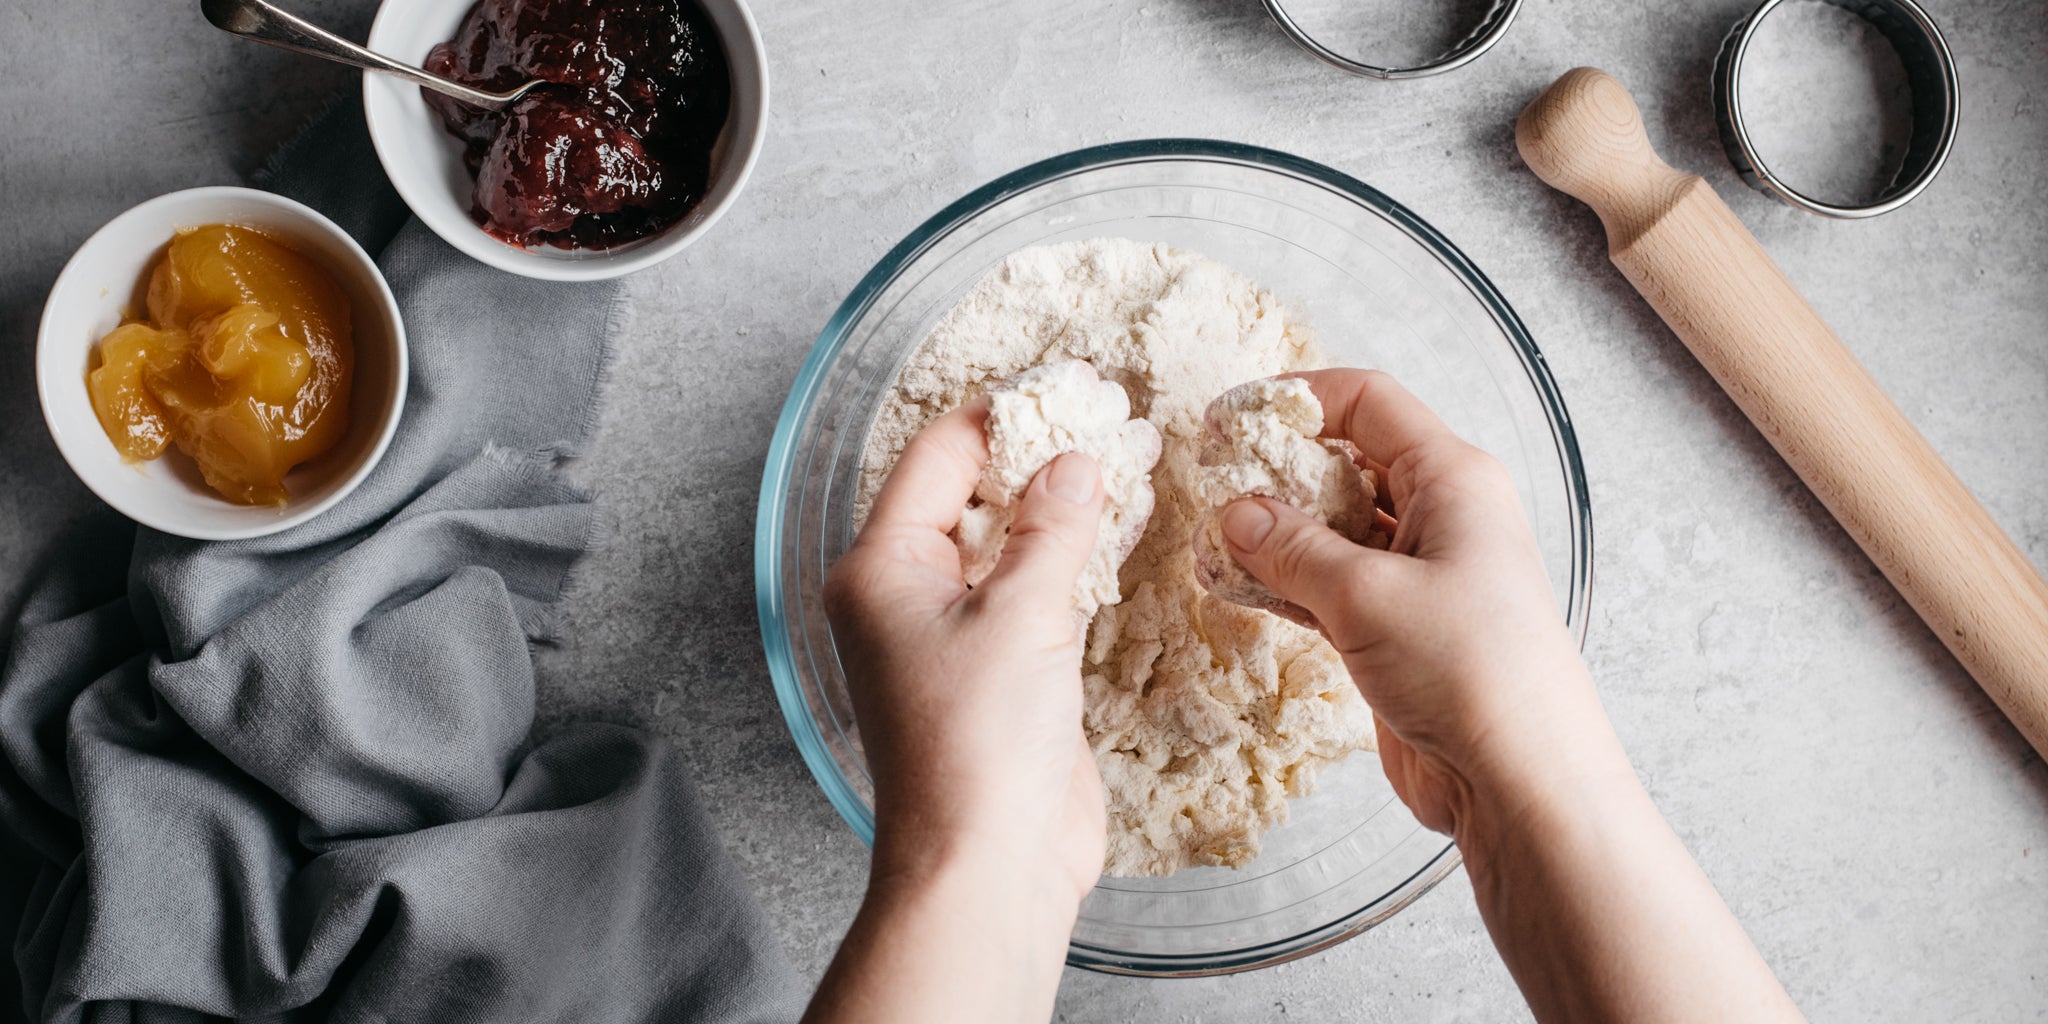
(647, 127)
(221, 363)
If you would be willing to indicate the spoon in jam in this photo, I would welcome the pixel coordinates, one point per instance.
(255, 19)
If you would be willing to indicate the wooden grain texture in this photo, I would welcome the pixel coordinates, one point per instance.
(1724, 296)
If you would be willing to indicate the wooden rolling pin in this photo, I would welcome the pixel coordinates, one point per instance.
(1711, 281)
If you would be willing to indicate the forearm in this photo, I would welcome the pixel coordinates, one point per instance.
(1597, 908)
(950, 937)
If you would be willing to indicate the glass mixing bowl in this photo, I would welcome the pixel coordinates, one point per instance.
(1382, 289)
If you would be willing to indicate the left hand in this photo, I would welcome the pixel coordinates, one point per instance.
(969, 700)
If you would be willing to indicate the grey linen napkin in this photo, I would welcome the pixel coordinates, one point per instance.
(288, 779)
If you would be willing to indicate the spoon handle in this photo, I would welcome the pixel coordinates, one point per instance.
(264, 23)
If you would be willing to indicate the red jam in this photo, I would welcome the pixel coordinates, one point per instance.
(617, 148)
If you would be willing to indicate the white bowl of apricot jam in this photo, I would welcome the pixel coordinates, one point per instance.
(647, 126)
(221, 363)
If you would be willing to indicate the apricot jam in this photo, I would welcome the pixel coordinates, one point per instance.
(243, 362)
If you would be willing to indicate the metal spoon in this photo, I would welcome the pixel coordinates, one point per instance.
(255, 19)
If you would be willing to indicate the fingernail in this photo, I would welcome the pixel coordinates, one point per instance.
(1246, 524)
(1072, 478)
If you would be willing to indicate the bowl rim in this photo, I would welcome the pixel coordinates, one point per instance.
(768, 561)
(474, 242)
(365, 267)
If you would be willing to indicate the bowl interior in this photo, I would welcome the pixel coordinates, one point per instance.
(1381, 289)
(425, 163)
(101, 283)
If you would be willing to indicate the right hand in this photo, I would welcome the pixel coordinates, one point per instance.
(1453, 634)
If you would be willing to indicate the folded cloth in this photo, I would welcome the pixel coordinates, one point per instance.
(288, 778)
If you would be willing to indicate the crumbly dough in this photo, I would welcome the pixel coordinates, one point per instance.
(1263, 440)
(1204, 716)
(1033, 418)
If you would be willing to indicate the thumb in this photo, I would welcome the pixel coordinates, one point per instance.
(1349, 588)
(1054, 532)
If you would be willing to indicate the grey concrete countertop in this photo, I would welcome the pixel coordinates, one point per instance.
(1870, 817)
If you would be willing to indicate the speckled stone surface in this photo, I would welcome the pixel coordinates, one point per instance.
(1873, 821)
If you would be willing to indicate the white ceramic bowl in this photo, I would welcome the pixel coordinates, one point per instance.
(425, 164)
(167, 493)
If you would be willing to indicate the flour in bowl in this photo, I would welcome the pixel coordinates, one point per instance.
(1263, 439)
(1034, 418)
(1205, 716)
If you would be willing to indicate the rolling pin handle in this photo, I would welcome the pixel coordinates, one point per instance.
(1584, 137)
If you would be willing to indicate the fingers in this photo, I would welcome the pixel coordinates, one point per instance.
(1373, 411)
(1348, 588)
(1054, 532)
(936, 474)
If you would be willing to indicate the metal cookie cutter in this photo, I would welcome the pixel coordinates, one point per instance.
(1930, 73)
(1491, 27)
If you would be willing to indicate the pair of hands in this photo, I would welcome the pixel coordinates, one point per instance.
(989, 811)
(970, 700)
